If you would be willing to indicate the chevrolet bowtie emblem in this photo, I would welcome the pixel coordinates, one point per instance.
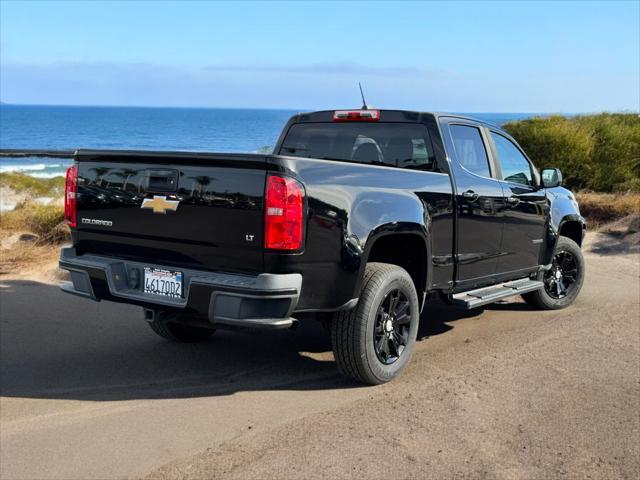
(160, 204)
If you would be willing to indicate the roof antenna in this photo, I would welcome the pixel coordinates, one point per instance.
(364, 102)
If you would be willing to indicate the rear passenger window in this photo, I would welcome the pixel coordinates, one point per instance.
(515, 167)
(470, 150)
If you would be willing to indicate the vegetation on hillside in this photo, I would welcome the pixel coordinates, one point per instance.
(38, 187)
(595, 152)
(45, 221)
(30, 235)
(600, 208)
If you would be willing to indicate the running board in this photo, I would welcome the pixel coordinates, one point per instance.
(485, 295)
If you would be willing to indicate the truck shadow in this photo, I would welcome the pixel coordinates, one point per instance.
(57, 346)
(617, 243)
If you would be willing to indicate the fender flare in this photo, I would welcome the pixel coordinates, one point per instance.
(396, 229)
(554, 234)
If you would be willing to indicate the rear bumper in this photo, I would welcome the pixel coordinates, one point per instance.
(264, 300)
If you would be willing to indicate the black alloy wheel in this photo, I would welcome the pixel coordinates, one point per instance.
(562, 275)
(392, 328)
(563, 281)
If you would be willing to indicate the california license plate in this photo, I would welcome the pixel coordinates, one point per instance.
(163, 282)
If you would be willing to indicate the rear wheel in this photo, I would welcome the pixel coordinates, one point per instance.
(373, 342)
(178, 332)
(563, 281)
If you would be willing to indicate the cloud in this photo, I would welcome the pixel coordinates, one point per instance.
(339, 68)
(310, 86)
(115, 83)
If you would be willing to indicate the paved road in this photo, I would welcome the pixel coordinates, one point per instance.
(88, 391)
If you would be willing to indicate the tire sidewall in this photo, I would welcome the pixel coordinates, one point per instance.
(397, 279)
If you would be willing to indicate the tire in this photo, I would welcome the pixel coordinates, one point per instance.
(177, 332)
(359, 335)
(550, 297)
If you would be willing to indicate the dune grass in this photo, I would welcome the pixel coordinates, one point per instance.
(601, 208)
(38, 187)
(29, 216)
(45, 221)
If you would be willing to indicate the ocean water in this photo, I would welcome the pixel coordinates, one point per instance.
(141, 128)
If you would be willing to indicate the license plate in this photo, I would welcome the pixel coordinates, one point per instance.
(163, 282)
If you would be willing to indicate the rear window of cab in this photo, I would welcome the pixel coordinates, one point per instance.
(401, 145)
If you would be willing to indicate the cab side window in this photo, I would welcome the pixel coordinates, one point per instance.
(515, 167)
(470, 150)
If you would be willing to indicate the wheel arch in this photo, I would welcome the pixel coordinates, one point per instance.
(573, 229)
(571, 226)
(404, 245)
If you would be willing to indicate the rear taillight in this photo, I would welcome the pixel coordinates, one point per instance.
(356, 116)
(70, 191)
(283, 220)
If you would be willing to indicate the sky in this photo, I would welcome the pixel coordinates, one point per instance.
(564, 57)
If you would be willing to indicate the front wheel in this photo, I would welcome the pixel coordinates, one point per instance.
(563, 281)
(373, 342)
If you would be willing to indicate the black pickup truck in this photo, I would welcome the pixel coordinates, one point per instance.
(359, 217)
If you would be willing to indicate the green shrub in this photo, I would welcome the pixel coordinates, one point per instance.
(597, 152)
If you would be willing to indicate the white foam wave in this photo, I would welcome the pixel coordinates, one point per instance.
(35, 168)
(23, 168)
(48, 175)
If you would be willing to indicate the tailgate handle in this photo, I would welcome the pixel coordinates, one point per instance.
(164, 181)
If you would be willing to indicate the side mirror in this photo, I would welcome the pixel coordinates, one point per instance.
(551, 177)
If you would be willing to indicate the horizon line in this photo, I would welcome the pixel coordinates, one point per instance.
(284, 109)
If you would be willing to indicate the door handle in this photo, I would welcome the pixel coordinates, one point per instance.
(470, 195)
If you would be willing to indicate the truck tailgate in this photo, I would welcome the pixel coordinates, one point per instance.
(202, 211)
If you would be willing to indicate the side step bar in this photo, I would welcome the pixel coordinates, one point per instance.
(485, 295)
